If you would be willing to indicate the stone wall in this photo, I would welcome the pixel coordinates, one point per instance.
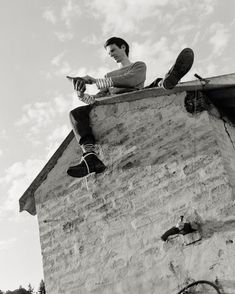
(103, 235)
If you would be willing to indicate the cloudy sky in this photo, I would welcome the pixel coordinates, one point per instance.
(42, 42)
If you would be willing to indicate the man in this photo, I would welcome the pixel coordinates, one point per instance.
(129, 77)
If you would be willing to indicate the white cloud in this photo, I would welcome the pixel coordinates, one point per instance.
(62, 67)
(92, 39)
(184, 28)
(19, 169)
(18, 177)
(206, 7)
(219, 39)
(200, 9)
(57, 59)
(1, 152)
(50, 16)
(40, 114)
(124, 16)
(70, 10)
(64, 36)
(144, 17)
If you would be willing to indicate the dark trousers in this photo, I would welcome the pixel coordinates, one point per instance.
(154, 84)
(80, 119)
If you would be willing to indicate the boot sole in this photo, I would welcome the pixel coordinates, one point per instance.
(100, 169)
(83, 172)
(182, 65)
(77, 173)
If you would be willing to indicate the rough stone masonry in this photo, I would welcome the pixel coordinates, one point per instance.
(103, 236)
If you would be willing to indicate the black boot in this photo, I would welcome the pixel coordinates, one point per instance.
(182, 65)
(89, 163)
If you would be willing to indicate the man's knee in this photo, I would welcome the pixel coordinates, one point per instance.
(80, 113)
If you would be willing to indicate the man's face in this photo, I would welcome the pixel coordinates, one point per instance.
(116, 53)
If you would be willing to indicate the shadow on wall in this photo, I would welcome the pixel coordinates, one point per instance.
(226, 286)
(209, 227)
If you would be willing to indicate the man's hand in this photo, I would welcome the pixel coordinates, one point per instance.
(89, 79)
(78, 83)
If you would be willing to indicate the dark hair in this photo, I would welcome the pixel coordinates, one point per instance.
(119, 42)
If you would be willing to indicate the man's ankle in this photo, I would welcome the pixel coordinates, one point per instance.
(88, 147)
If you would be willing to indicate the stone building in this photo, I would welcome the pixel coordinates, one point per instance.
(168, 153)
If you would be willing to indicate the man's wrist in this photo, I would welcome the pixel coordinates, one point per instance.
(80, 94)
(104, 83)
(88, 99)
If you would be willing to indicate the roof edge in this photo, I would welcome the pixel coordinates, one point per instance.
(217, 82)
